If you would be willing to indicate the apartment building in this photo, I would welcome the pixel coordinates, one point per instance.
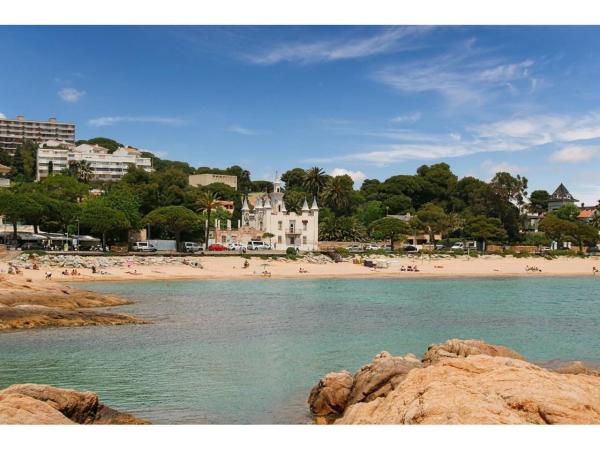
(105, 166)
(205, 179)
(14, 131)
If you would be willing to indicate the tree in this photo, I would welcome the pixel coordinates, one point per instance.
(314, 181)
(337, 193)
(332, 228)
(538, 201)
(370, 212)
(294, 179)
(174, 219)
(268, 236)
(485, 229)
(433, 220)
(207, 202)
(64, 187)
(557, 228)
(510, 188)
(84, 171)
(294, 200)
(390, 228)
(123, 198)
(10, 208)
(101, 219)
(584, 234)
(567, 212)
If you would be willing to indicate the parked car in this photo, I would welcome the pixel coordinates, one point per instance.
(258, 245)
(458, 246)
(143, 247)
(410, 248)
(440, 246)
(372, 247)
(354, 248)
(236, 247)
(191, 247)
(387, 247)
(32, 246)
(217, 248)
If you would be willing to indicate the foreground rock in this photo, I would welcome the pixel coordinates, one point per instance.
(24, 305)
(470, 382)
(42, 405)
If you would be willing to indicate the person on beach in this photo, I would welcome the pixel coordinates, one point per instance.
(93, 269)
(48, 275)
(594, 270)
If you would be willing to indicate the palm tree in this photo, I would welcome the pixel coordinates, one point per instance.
(336, 194)
(84, 171)
(314, 180)
(207, 202)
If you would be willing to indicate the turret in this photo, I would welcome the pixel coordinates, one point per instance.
(305, 207)
(259, 204)
(245, 205)
(314, 206)
(267, 203)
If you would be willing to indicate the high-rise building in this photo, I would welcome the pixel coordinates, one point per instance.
(14, 131)
(56, 156)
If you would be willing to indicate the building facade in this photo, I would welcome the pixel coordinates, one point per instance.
(14, 131)
(56, 156)
(204, 179)
(270, 217)
(561, 196)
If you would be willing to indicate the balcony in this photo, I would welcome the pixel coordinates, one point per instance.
(292, 232)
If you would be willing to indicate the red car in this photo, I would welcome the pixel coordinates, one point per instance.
(216, 248)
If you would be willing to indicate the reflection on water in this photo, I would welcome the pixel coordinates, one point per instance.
(249, 351)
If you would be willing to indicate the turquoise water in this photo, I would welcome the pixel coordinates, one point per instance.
(249, 351)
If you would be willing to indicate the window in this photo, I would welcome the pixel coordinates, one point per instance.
(279, 239)
(279, 225)
(304, 240)
(304, 224)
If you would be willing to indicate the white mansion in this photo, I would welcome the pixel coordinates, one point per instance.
(270, 216)
(104, 165)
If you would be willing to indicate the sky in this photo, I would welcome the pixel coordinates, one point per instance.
(368, 101)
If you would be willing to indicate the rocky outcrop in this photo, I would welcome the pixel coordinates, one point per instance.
(457, 348)
(42, 404)
(472, 382)
(329, 398)
(577, 368)
(380, 376)
(25, 305)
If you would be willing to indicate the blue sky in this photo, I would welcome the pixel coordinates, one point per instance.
(371, 101)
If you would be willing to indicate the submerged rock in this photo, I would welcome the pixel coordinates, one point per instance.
(43, 404)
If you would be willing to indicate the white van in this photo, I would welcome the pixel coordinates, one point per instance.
(191, 247)
(143, 247)
(258, 245)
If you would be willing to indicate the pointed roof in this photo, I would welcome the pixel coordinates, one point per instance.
(245, 205)
(267, 203)
(314, 206)
(283, 210)
(562, 194)
(305, 205)
(259, 203)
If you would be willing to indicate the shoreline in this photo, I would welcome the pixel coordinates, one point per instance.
(148, 268)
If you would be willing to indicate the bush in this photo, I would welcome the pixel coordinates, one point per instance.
(34, 252)
(343, 252)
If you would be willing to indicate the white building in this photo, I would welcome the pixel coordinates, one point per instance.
(271, 216)
(105, 166)
(13, 132)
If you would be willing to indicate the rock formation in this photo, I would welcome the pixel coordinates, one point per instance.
(25, 305)
(471, 382)
(41, 404)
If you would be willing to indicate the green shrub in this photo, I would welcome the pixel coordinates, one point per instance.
(35, 252)
(343, 252)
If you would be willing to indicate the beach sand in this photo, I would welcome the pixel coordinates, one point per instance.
(231, 268)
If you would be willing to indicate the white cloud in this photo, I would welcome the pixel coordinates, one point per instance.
(511, 135)
(390, 39)
(493, 167)
(357, 176)
(242, 130)
(461, 75)
(2, 116)
(70, 95)
(407, 118)
(575, 154)
(113, 120)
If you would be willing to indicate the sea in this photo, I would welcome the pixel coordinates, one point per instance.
(249, 351)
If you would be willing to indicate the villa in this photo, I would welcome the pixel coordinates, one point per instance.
(271, 218)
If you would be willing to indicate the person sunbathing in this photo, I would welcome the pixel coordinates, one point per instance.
(409, 269)
(402, 269)
(48, 275)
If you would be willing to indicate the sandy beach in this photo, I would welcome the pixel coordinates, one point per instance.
(232, 268)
